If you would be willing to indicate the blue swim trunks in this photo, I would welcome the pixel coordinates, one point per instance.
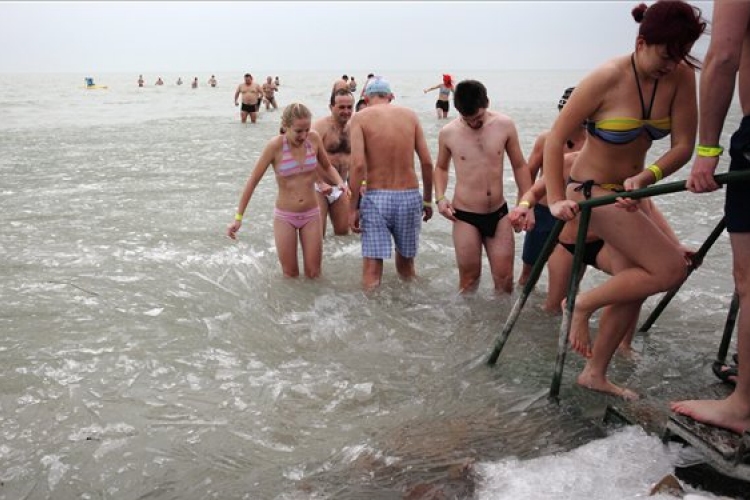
(385, 213)
(535, 239)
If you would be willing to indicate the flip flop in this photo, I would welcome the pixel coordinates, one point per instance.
(725, 373)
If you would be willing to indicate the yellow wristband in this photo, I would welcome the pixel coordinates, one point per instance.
(524, 203)
(363, 183)
(238, 216)
(709, 151)
(426, 203)
(654, 169)
(439, 199)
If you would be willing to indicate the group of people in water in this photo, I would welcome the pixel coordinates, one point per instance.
(360, 169)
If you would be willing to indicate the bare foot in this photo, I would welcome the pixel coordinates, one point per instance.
(725, 413)
(579, 330)
(626, 350)
(603, 385)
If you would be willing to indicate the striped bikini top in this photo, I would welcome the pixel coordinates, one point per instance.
(625, 130)
(290, 166)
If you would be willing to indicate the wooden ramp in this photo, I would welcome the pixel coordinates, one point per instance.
(725, 451)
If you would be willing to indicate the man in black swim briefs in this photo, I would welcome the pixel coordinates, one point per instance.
(478, 207)
(252, 95)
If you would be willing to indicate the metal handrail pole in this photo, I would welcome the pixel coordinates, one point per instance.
(699, 256)
(536, 272)
(562, 341)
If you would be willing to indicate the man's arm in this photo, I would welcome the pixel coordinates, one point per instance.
(425, 162)
(517, 161)
(357, 166)
(730, 23)
(236, 95)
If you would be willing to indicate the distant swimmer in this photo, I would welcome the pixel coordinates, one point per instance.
(159, 81)
(476, 143)
(341, 83)
(384, 140)
(277, 81)
(195, 83)
(352, 85)
(370, 76)
(252, 93)
(334, 131)
(212, 81)
(442, 105)
(298, 157)
(179, 80)
(269, 93)
(140, 81)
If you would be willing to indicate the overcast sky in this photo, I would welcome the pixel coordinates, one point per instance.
(100, 37)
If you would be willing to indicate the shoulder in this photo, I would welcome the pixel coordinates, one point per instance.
(276, 142)
(314, 137)
(605, 75)
(449, 129)
(320, 125)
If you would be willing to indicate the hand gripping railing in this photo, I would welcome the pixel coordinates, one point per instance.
(586, 207)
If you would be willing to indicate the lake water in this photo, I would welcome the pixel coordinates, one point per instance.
(146, 355)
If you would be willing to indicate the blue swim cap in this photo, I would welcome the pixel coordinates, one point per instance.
(378, 85)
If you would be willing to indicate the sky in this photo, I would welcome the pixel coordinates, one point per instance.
(112, 36)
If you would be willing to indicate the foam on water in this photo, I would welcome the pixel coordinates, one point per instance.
(622, 466)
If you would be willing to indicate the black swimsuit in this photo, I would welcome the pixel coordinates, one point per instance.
(590, 250)
(486, 224)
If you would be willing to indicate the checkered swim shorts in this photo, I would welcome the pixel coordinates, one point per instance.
(385, 213)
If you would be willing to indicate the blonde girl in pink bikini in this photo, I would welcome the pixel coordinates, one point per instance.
(297, 155)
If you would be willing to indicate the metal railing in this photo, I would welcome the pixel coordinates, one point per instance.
(585, 212)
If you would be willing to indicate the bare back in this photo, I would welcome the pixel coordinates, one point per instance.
(391, 135)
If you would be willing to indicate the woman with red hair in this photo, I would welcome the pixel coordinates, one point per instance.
(442, 105)
(627, 103)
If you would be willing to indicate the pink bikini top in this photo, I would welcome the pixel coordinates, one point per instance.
(290, 166)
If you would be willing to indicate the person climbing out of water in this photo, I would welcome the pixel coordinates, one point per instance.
(297, 156)
(728, 54)
(597, 253)
(543, 221)
(627, 103)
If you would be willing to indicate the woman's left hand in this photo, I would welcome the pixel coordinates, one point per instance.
(631, 184)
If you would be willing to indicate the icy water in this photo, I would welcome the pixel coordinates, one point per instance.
(145, 355)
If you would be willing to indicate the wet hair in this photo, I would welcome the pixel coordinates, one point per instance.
(564, 99)
(470, 96)
(344, 77)
(360, 104)
(338, 93)
(248, 74)
(674, 24)
(370, 75)
(295, 111)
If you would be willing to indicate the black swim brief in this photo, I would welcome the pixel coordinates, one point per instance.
(250, 108)
(590, 251)
(737, 204)
(444, 105)
(486, 224)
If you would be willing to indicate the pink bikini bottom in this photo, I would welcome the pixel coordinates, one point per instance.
(297, 219)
